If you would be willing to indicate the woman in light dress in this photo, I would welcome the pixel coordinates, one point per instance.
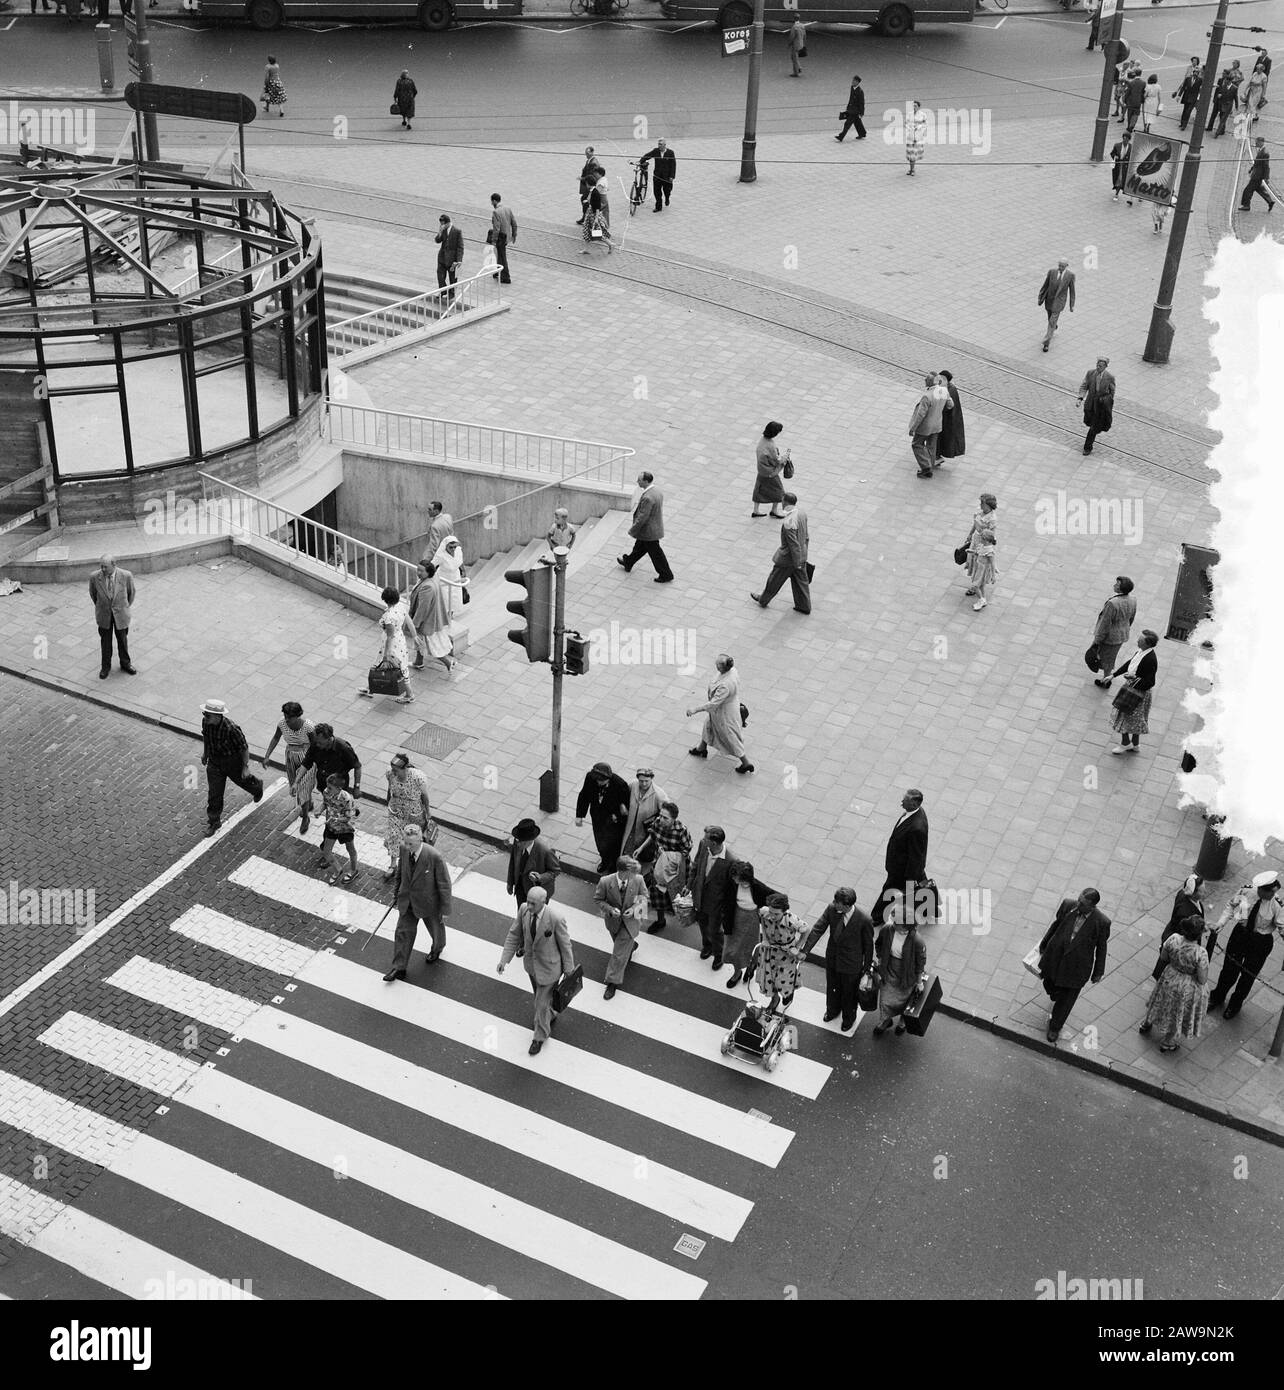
(981, 548)
(1180, 999)
(407, 805)
(273, 88)
(777, 963)
(398, 635)
(722, 726)
(448, 564)
(1152, 102)
(430, 616)
(915, 136)
(296, 733)
(645, 800)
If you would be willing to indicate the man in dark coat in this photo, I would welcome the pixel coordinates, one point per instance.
(604, 798)
(421, 891)
(1072, 950)
(589, 175)
(1097, 396)
(450, 252)
(851, 113)
(1225, 100)
(906, 857)
(1188, 92)
(1259, 178)
(666, 170)
(712, 891)
(848, 954)
(532, 862)
(1134, 95)
(951, 443)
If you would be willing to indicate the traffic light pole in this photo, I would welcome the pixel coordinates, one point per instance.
(551, 792)
(749, 145)
(1110, 49)
(143, 51)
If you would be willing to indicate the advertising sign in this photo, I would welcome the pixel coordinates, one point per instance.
(1153, 167)
(735, 41)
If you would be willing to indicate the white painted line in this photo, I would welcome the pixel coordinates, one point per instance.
(83, 943)
(495, 1215)
(225, 933)
(317, 1240)
(102, 1253)
(655, 1022)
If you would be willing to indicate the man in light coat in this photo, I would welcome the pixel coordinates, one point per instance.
(648, 531)
(440, 526)
(622, 898)
(925, 424)
(421, 891)
(790, 560)
(539, 933)
(112, 592)
(503, 234)
(1056, 292)
(1114, 622)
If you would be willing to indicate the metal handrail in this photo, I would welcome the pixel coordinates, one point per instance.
(194, 281)
(415, 312)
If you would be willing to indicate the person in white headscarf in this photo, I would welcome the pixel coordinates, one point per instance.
(449, 570)
(1189, 902)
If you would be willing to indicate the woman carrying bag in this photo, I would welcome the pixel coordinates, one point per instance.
(902, 965)
(1132, 704)
(1189, 902)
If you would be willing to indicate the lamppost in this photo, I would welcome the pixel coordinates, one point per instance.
(1110, 49)
(749, 146)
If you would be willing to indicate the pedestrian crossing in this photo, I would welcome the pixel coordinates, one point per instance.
(468, 1166)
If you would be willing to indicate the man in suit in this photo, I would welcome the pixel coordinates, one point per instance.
(440, 525)
(421, 891)
(539, 934)
(853, 111)
(1188, 92)
(1225, 100)
(503, 234)
(1259, 178)
(790, 560)
(648, 531)
(906, 857)
(1133, 96)
(604, 798)
(666, 170)
(450, 254)
(532, 862)
(589, 175)
(112, 593)
(1073, 949)
(622, 898)
(848, 954)
(713, 895)
(1056, 292)
(1258, 913)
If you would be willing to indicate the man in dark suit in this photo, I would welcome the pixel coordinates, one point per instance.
(853, 111)
(906, 857)
(790, 560)
(421, 891)
(648, 531)
(1259, 181)
(1188, 92)
(1056, 292)
(713, 894)
(1072, 950)
(589, 175)
(539, 933)
(666, 170)
(848, 954)
(604, 798)
(622, 898)
(450, 253)
(532, 862)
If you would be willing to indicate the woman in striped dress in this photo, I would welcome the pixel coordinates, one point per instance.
(296, 733)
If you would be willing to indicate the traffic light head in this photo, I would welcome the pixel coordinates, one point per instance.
(577, 654)
(536, 606)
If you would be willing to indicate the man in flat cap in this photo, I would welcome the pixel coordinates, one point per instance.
(604, 798)
(1258, 914)
(532, 862)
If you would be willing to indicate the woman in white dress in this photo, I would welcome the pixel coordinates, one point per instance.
(449, 562)
(722, 725)
(398, 634)
(296, 733)
(915, 136)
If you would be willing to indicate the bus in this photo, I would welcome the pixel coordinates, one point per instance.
(432, 15)
(892, 17)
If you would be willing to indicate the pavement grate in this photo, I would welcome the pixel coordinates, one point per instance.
(435, 741)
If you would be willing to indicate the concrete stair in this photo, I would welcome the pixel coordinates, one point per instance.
(349, 296)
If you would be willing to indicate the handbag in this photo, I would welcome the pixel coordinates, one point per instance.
(744, 716)
(394, 109)
(567, 988)
(960, 555)
(788, 469)
(802, 52)
(811, 571)
(918, 1012)
(1092, 658)
(927, 902)
(867, 992)
(431, 831)
(384, 678)
(1127, 699)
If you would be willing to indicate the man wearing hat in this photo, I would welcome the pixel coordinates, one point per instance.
(532, 862)
(539, 933)
(225, 757)
(1258, 913)
(604, 798)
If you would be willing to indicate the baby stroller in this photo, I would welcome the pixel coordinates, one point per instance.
(762, 1033)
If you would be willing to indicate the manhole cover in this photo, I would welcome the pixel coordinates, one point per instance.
(435, 740)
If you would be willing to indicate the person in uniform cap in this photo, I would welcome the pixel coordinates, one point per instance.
(1258, 914)
(532, 862)
(604, 798)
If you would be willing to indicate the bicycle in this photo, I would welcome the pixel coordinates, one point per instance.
(637, 194)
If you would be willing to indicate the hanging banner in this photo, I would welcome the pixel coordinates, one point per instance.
(735, 41)
(1153, 167)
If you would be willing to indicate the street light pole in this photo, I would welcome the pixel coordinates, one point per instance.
(1110, 51)
(1159, 339)
(143, 53)
(749, 146)
(550, 801)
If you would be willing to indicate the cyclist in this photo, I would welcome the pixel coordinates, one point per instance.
(666, 170)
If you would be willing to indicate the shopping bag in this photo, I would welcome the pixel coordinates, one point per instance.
(567, 988)
(919, 1011)
(684, 908)
(1128, 698)
(384, 679)
(489, 258)
(1031, 961)
(867, 992)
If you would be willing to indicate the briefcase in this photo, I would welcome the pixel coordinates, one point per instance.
(918, 1013)
(384, 679)
(811, 571)
(927, 902)
(567, 988)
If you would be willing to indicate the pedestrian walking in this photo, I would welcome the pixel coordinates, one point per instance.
(440, 527)
(780, 940)
(902, 968)
(790, 560)
(742, 905)
(1188, 903)
(1159, 213)
(666, 170)
(328, 754)
(502, 235)
(982, 546)
(1225, 100)
(1072, 951)
(1188, 90)
(225, 756)
(1132, 703)
(398, 632)
(645, 800)
(925, 425)
(648, 531)
(1258, 913)
(1258, 179)
(905, 859)
(1114, 623)
(1121, 154)
(408, 805)
(589, 175)
(1094, 22)
(296, 733)
(1179, 1001)
(1056, 294)
(1134, 98)
(111, 590)
(713, 895)
(428, 607)
(1123, 71)
(421, 893)
(28, 141)
(951, 442)
(450, 256)
(532, 861)
(852, 113)
(1152, 103)
(771, 466)
(450, 572)
(797, 45)
(1252, 93)
(849, 953)
(1097, 397)
(604, 798)
(540, 936)
(273, 88)
(621, 898)
(724, 718)
(561, 533)
(667, 852)
(597, 219)
(340, 812)
(915, 136)
(403, 98)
